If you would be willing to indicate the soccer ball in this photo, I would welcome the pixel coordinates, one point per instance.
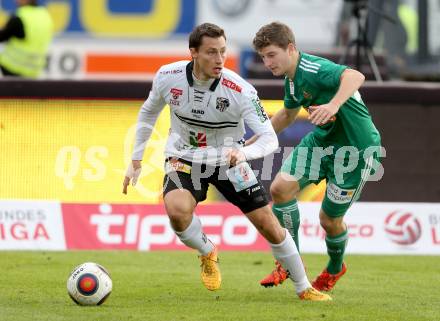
(89, 284)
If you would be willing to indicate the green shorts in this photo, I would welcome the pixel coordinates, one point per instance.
(345, 169)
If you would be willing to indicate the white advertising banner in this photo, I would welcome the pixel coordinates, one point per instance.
(378, 228)
(85, 58)
(314, 22)
(31, 225)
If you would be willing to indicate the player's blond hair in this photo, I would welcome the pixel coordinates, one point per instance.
(275, 33)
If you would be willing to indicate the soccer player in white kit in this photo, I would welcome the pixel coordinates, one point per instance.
(209, 105)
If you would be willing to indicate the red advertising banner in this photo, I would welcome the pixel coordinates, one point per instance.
(146, 227)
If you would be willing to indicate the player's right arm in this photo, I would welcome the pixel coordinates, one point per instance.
(147, 117)
(283, 118)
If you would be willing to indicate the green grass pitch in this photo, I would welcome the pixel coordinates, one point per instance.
(164, 286)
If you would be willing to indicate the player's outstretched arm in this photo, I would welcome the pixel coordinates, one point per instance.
(147, 117)
(133, 172)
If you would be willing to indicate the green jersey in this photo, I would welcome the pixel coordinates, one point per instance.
(316, 82)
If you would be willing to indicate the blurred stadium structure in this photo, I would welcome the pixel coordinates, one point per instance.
(65, 140)
(110, 38)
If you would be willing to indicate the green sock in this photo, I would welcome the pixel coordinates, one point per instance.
(288, 216)
(335, 249)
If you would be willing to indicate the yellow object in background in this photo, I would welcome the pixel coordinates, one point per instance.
(78, 151)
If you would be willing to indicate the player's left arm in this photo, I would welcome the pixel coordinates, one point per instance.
(256, 118)
(350, 81)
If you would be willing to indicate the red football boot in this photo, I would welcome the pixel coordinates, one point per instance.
(277, 276)
(326, 281)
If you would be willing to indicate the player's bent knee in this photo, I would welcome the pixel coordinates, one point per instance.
(326, 224)
(332, 226)
(179, 207)
(283, 191)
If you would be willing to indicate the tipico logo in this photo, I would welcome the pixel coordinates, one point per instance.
(403, 228)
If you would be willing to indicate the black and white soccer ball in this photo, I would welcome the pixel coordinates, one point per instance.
(89, 284)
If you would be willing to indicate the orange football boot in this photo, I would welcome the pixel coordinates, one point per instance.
(210, 273)
(312, 294)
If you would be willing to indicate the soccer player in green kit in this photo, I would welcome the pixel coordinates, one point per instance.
(343, 149)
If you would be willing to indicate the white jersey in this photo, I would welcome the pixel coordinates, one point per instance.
(206, 117)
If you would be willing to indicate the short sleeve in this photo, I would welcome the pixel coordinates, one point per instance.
(329, 75)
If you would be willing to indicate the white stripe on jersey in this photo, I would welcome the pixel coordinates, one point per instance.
(307, 69)
(308, 62)
(308, 66)
(364, 178)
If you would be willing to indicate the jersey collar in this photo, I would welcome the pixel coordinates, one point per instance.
(300, 56)
(189, 77)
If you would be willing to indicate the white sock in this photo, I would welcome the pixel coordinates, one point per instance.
(194, 237)
(287, 254)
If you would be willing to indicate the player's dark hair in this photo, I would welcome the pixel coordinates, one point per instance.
(204, 30)
(275, 33)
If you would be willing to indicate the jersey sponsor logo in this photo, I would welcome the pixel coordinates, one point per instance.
(176, 93)
(307, 95)
(339, 195)
(197, 113)
(222, 104)
(197, 139)
(232, 85)
(259, 109)
(174, 165)
(171, 72)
